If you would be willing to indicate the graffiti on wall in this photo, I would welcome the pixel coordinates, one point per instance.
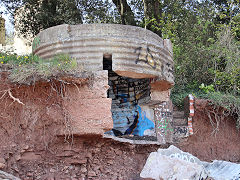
(143, 123)
(127, 94)
(140, 124)
(163, 121)
(167, 70)
(129, 90)
(180, 131)
(152, 59)
(146, 56)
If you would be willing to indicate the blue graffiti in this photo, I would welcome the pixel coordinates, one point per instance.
(139, 125)
(133, 125)
(127, 116)
(123, 98)
(143, 123)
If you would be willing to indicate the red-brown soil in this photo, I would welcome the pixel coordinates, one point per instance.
(31, 149)
(207, 145)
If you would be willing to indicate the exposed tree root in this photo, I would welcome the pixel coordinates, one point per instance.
(216, 115)
(14, 99)
(11, 96)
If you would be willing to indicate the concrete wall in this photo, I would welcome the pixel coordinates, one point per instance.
(2, 31)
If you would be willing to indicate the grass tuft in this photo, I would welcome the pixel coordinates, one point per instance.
(28, 69)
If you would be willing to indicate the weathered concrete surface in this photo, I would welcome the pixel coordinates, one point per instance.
(89, 109)
(95, 87)
(173, 164)
(136, 52)
(138, 61)
(89, 116)
(164, 167)
(164, 121)
(159, 96)
(221, 170)
(130, 141)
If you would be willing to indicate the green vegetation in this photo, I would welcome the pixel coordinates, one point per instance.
(207, 55)
(28, 69)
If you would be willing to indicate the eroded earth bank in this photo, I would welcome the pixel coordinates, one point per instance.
(37, 140)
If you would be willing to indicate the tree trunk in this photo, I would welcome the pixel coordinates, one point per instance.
(127, 15)
(153, 10)
(147, 17)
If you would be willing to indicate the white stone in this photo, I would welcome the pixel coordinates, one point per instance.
(173, 165)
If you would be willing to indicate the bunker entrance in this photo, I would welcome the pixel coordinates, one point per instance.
(132, 117)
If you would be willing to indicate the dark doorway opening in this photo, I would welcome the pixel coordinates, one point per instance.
(129, 98)
(107, 63)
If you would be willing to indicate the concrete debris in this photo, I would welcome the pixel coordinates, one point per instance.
(6, 176)
(125, 140)
(171, 168)
(221, 170)
(172, 163)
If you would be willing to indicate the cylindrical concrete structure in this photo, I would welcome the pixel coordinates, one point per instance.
(136, 52)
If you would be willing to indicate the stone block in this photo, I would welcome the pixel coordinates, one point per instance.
(87, 116)
(172, 163)
(164, 167)
(163, 122)
(160, 96)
